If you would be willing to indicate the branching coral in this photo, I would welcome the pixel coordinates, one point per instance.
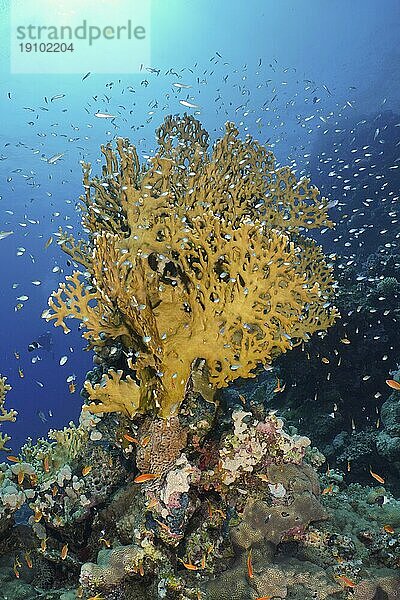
(197, 255)
(5, 415)
(114, 395)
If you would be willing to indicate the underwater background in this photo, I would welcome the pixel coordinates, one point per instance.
(316, 82)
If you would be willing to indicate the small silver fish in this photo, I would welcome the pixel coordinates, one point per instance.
(53, 159)
(57, 97)
(188, 104)
(101, 115)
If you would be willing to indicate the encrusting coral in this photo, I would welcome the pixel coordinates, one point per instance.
(198, 254)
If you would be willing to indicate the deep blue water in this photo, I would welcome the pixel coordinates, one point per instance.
(284, 70)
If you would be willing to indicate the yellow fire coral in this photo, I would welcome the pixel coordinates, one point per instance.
(5, 415)
(114, 395)
(195, 255)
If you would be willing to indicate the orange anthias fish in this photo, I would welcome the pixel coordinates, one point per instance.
(376, 476)
(28, 559)
(279, 387)
(46, 464)
(346, 581)
(14, 459)
(153, 502)
(392, 383)
(130, 439)
(15, 568)
(388, 529)
(64, 552)
(86, 470)
(163, 526)
(188, 566)
(37, 515)
(146, 477)
(249, 565)
(264, 597)
(43, 545)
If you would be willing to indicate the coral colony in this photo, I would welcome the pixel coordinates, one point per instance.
(195, 271)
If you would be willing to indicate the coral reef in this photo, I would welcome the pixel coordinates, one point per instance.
(196, 272)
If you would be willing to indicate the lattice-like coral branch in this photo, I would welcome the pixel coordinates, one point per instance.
(114, 394)
(72, 300)
(79, 250)
(5, 415)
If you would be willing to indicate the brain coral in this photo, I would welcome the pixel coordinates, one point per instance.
(199, 253)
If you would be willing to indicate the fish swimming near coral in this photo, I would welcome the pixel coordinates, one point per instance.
(130, 438)
(346, 581)
(392, 383)
(56, 157)
(188, 566)
(146, 477)
(378, 478)
(249, 564)
(64, 552)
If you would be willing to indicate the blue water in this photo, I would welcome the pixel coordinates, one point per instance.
(272, 66)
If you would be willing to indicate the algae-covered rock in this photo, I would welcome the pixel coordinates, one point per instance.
(387, 588)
